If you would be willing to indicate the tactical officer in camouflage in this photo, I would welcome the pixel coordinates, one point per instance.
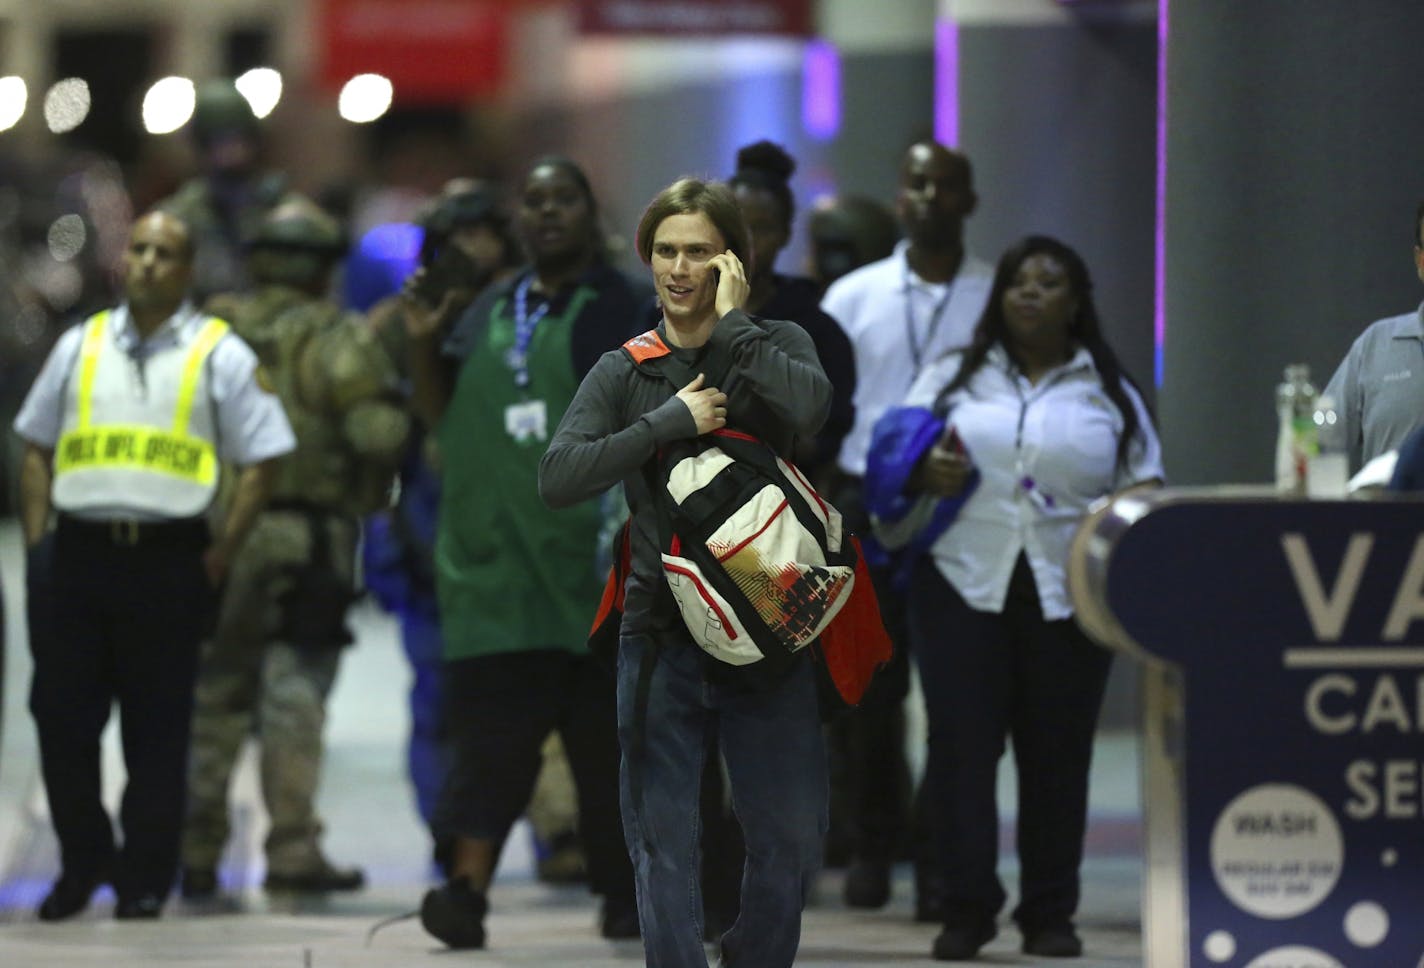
(282, 625)
(224, 205)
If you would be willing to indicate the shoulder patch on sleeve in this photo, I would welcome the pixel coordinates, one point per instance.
(646, 346)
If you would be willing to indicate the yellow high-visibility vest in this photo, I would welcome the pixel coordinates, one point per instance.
(135, 442)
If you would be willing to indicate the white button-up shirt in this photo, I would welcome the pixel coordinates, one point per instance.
(898, 323)
(1045, 453)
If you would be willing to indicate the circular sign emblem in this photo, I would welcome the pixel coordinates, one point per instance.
(1295, 957)
(1276, 852)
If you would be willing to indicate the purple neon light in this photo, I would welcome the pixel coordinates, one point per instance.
(1159, 254)
(946, 82)
(821, 90)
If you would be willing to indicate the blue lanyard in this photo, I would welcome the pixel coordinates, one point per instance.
(525, 322)
(917, 349)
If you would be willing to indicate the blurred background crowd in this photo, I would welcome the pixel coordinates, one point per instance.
(1235, 200)
(370, 106)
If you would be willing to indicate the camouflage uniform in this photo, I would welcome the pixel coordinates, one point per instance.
(274, 656)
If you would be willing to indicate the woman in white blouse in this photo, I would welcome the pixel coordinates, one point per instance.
(1039, 406)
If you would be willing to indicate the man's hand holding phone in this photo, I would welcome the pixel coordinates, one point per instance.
(732, 285)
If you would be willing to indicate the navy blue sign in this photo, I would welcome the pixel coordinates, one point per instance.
(1285, 722)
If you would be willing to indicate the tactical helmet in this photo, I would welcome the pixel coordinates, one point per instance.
(471, 203)
(299, 223)
(295, 244)
(220, 108)
(847, 232)
(860, 221)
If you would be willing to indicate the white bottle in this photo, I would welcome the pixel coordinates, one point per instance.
(1328, 469)
(1295, 441)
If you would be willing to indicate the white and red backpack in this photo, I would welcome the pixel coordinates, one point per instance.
(755, 560)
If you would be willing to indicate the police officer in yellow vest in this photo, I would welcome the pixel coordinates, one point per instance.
(124, 430)
(281, 629)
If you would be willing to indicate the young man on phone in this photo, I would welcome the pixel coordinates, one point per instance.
(762, 377)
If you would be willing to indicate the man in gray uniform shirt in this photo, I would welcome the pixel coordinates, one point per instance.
(1378, 388)
(694, 239)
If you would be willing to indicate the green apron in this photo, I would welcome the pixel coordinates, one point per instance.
(511, 574)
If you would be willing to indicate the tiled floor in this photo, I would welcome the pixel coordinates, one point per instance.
(371, 820)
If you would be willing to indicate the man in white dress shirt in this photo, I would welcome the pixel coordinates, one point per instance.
(124, 431)
(901, 313)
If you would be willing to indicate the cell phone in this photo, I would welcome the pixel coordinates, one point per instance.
(450, 269)
(951, 441)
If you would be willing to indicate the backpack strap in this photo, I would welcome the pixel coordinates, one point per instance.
(650, 353)
(646, 346)
(607, 622)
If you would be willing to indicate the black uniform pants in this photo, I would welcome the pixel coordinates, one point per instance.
(116, 614)
(987, 677)
(497, 711)
(870, 778)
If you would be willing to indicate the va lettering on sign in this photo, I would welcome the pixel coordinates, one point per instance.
(1351, 698)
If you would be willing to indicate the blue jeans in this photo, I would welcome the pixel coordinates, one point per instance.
(772, 744)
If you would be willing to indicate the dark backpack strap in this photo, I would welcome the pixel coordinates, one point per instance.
(648, 352)
(676, 372)
(608, 620)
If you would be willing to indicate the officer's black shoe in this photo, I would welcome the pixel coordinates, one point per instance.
(198, 883)
(962, 942)
(315, 880)
(1054, 941)
(70, 895)
(454, 913)
(619, 920)
(867, 884)
(140, 907)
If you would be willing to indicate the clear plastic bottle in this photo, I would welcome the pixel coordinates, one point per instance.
(1328, 469)
(1295, 442)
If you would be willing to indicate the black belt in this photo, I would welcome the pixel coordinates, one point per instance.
(131, 532)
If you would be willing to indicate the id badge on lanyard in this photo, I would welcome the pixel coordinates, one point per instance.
(525, 322)
(918, 348)
(528, 420)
